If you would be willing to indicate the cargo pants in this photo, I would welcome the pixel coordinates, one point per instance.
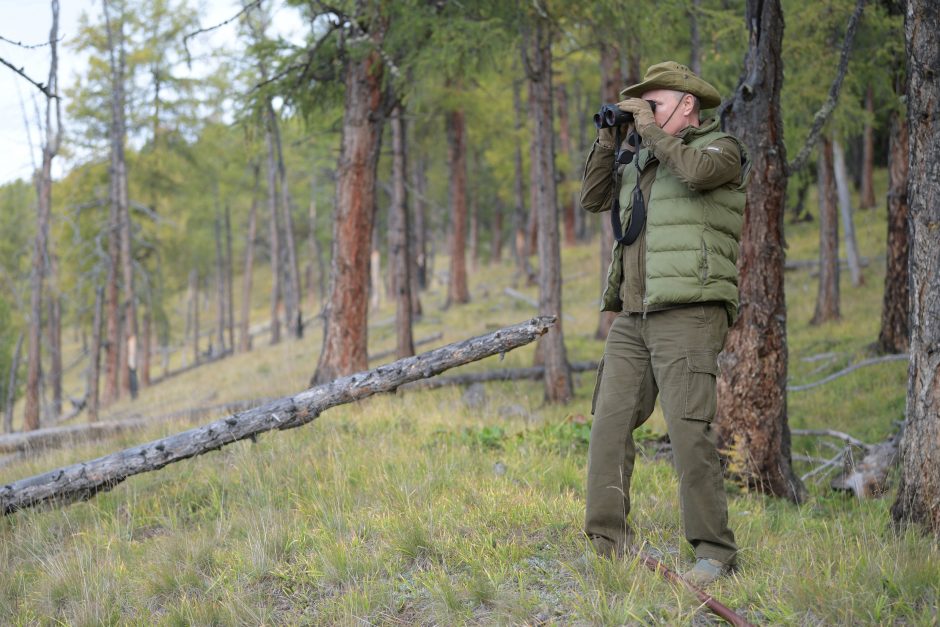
(672, 353)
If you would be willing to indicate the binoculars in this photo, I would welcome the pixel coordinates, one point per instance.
(611, 115)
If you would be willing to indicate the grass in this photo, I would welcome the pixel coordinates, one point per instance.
(419, 509)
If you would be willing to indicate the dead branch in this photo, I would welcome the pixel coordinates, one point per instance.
(845, 437)
(845, 371)
(84, 480)
(869, 478)
(43, 88)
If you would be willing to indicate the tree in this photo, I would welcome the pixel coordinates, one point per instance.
(918, 499)
(345, 332)
(52, 130)
(537, 55)
(827, 297)
(751, 421)
(399, 251)
(455, 127)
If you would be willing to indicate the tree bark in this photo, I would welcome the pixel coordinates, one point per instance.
(11, 387)
(827, 298)
(457, 290)
(558, 386)
(345, 319)
(245, 334)
(868, 153)
(918, 499)
(845, 210)
(564, 139)
(291, 279)
(894, 336)
(95, 358)
(315, 266)
(519, 215)
(418, 206)
(54, 330)
(274, 233)
(229, 281)
(84, 480)
(751, 422)
(399, 253)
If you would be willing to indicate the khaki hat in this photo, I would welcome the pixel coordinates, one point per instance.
(677, 77)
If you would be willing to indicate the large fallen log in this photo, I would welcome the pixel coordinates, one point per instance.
(487, 376)
(84, 480)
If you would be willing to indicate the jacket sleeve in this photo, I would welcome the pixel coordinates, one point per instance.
(701, 169)
(597, 182)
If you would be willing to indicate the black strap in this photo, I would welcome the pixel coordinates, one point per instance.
(638, 213)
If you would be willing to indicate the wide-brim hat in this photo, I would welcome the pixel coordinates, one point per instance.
(677, 77)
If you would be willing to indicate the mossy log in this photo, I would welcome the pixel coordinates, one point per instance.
(84, 480)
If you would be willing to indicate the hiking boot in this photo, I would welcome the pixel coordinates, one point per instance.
(706, 571)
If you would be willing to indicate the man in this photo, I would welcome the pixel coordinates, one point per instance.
(673, 282)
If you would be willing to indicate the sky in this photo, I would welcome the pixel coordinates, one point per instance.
(28, 22)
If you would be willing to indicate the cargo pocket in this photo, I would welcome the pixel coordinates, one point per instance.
(597, 385)
(700, 398)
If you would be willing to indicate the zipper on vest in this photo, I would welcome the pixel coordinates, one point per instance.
(645, 305)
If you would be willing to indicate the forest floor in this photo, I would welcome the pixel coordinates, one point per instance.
(442, 507)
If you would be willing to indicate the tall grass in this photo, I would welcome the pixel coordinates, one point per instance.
(419, 509)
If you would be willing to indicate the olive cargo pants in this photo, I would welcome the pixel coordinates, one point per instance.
(672, 353)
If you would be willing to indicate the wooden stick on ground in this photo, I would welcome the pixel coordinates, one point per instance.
(84, 480)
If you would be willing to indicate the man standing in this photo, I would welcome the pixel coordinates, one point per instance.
(673, 282)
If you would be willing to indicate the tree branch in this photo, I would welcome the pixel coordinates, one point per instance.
(39, 86)
(845, 371)
(822, 116)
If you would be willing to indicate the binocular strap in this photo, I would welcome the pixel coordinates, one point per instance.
(638, 214)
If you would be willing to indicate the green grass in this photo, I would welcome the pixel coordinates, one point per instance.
(417, 509)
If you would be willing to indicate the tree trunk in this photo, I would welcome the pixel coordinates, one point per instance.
(611, 79)
(219, 286)
(375, 265)
(845, 209)
(346, 315)
(146, 345)
(55, 336)
(229, 280)
(11, 387)
(751, 421)
(894, 336)
(245, 335)
(194, 303)
(274, 233)
(558, 386)
(564, 138)
(418, 204)
(291, 280)
(399, 254)
(827, 299)
(315, 265)
(457, 291)
(84, 480)
(519, 215)
(496, 243)
(95, 358)
(868, 153)
(918, 498)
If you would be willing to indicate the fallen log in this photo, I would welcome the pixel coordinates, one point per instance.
(84, 480)
(53, 437)
(506, 374)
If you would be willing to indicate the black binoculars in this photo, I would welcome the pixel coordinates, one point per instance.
(611, 115)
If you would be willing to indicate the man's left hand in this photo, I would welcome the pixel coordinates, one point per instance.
(642, 113)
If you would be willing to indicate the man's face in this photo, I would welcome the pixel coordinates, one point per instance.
(673, 109)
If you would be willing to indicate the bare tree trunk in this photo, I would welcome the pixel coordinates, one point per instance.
(219, 286)
(695, 52)
(894, 336)
(564, 138)
(375, 266)
(316, 252)
(11, 386)
(346, 316)
(496, 243)
(827, 299)
(457, 291)
(558, 385)
(918, 498)
(193, 298)
(399, 254)
(146, 345)
(41, 253)
(868, 153)
(229, 280)
(274, 233)
(54, 324)
(845, 209)
(291, 281)
(611, 78)
(419, 206)
(95, 358)
(751, 422)
(519, 215)
(474, 211)
(245, 335)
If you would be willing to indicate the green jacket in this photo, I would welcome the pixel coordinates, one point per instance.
(695, 206)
